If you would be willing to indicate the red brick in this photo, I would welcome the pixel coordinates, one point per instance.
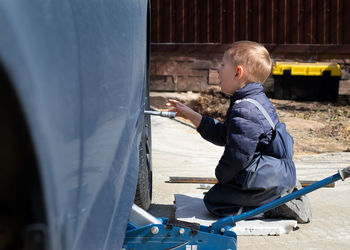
(177, 68)
(153, 68)
(201, 64)
(162, 83)
(193, 83)
(344, 87)
(213, 77)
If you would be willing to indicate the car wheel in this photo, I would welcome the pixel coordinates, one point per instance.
(144, 184)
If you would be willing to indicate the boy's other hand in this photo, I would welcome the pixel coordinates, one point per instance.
(184, 111)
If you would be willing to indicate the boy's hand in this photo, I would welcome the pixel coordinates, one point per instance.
(184, 111)
(181, 109)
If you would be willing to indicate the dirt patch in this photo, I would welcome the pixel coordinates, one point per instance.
(212, 103)
(317, 127)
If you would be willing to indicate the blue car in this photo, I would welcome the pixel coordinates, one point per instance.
(75, 147)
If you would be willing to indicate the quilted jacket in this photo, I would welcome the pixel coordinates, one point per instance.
(244, 132)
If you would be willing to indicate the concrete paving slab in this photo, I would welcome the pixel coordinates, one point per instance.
(190, 208)
(179, 150)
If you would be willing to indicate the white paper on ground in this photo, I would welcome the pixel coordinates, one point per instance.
(190, 207)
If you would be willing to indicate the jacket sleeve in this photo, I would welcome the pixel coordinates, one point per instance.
(213, 131)
(244, 130)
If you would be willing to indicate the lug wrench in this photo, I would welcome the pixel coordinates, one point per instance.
(168, 114)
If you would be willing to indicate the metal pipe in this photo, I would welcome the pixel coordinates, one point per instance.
(139, 217)
(211, 180)
(168, 114)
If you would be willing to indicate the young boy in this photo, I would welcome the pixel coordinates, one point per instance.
(245, 133)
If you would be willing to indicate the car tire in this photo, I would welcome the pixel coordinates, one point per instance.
(143, 194)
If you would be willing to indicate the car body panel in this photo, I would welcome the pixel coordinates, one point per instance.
(78, 68)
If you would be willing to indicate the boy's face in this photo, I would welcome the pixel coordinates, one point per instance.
(230, 76)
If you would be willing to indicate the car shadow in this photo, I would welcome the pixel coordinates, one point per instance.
(162, 210)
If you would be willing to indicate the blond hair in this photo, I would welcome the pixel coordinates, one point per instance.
(254, 58)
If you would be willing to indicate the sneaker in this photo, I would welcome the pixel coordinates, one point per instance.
(298, 209)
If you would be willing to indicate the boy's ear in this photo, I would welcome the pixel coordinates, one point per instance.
(239, 72)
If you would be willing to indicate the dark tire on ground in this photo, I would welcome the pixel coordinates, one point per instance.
(144, 183)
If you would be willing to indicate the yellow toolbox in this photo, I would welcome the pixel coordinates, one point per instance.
(306, 81)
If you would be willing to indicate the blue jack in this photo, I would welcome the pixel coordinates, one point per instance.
(147, 232)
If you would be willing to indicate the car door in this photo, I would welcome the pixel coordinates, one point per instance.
(112, 59)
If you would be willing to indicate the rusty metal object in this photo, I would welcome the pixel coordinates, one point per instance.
(210, 180)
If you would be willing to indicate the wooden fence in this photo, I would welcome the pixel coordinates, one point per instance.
(293, 24)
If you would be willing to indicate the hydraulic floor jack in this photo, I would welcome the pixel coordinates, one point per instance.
(147, 232)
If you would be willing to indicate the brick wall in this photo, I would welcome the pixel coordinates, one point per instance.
(180, 71)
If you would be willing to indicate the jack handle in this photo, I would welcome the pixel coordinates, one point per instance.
(230, 221)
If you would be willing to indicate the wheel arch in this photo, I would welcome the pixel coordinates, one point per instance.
(20, 166)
